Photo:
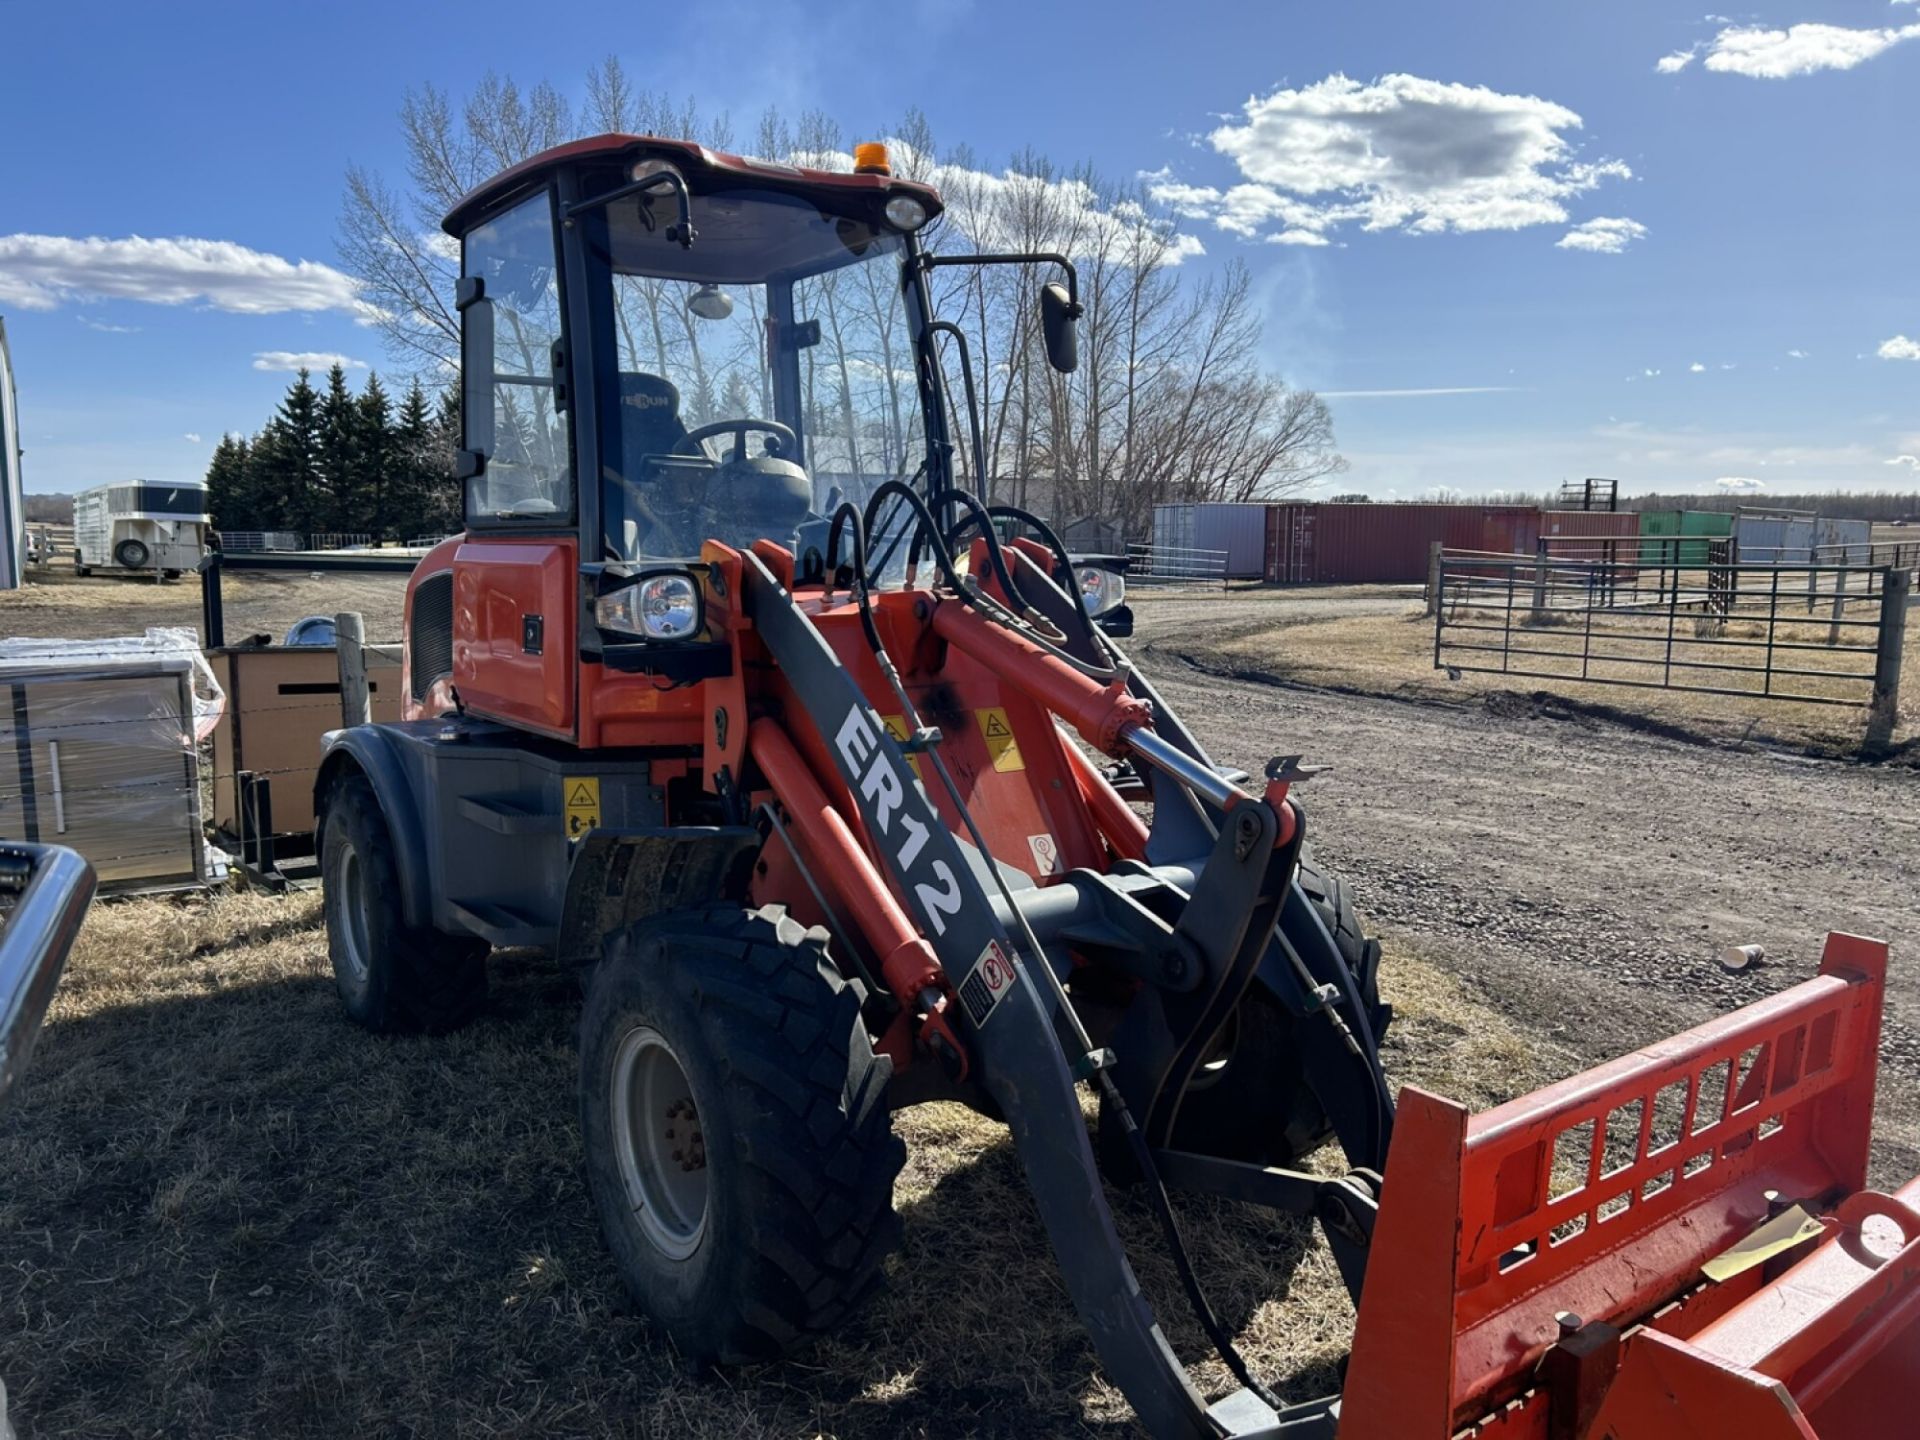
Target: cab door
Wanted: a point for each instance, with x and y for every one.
(515, 577)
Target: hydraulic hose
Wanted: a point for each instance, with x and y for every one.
(1088, 1059)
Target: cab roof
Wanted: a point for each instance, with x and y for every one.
(695, 162)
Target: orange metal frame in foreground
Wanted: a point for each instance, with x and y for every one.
(1603, 1196)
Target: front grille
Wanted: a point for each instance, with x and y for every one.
(430, 632)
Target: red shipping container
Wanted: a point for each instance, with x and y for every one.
(1385, 544)
(1604, 528)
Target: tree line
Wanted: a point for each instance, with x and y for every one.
(331, 460)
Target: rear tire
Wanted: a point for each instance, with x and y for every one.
(132, 554)
(738, 1143)
(392, 978)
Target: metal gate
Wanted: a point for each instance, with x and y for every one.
(1812, 633)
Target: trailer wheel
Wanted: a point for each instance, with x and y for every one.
(391, 977)
(132, 554)
(738, 1142)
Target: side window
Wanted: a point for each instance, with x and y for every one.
(511, 328)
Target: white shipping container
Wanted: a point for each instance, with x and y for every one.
(1238, 531)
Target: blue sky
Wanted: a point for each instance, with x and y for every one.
(1618, 239)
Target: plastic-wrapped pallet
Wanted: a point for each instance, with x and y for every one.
(99, 751)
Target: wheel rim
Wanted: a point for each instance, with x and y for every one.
(352, 890)
(658, 1143)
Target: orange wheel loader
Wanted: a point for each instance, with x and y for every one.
(825, 771)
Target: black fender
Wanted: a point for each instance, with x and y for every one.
(372, 752)
(619, 877)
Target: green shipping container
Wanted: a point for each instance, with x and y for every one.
(1706, 524)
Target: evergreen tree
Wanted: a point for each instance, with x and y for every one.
(286, 481)
(227, 497)
(368, 477)
(335, 506)
(413, 453)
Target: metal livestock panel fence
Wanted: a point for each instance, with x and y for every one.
(1718, 629)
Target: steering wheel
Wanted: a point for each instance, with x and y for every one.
(690, 442)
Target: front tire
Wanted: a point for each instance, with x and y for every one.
(132, 554)
(392, 978)
(1252, 1099)
(738, 1143)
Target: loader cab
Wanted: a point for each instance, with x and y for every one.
(663, 346)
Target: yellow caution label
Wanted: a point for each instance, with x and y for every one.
(1002, 748)
(583, 804)
(897, 728)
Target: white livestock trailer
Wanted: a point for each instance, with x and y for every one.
(144, 525)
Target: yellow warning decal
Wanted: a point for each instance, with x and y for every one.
(1002, 748)
(897, 728)
(583, 804)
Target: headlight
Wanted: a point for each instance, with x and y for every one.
(905, 212)
(1101, 588)
(655, 607)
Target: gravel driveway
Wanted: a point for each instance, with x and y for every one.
(1583, 875)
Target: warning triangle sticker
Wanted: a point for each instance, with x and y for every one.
(996, 727)
(580, 795)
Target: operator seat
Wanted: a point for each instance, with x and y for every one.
(649, 419)
(650, 424)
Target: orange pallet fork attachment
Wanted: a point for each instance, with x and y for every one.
(1571, 1226)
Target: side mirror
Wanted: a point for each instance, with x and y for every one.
(1058, 315)
(476, 378)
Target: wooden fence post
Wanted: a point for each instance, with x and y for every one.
(1895, 586)
(1540, 581)
(350, 640)
(1433, 575)
(1839, 605)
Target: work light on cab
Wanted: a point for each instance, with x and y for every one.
(655, 607)
(904, 212)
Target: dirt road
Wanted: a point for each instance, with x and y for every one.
(1580, 874)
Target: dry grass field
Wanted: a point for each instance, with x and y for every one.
(229, 1212)
(1388, 650)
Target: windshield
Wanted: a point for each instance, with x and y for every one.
(764, 373)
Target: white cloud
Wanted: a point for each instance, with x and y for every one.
(191, 438)
(1014, 210)
(1400, 153)
(1765, 54)
(1650, 374)
(315, 360)
(1677, 61)
(1740, 482)
(1796, 354)
(1604, 235)
(41, 272)
(106, 329)
(1912, 462)
(1696, 368)
(1899, 348)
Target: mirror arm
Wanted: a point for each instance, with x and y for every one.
(1022, 257)
(683, 233)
